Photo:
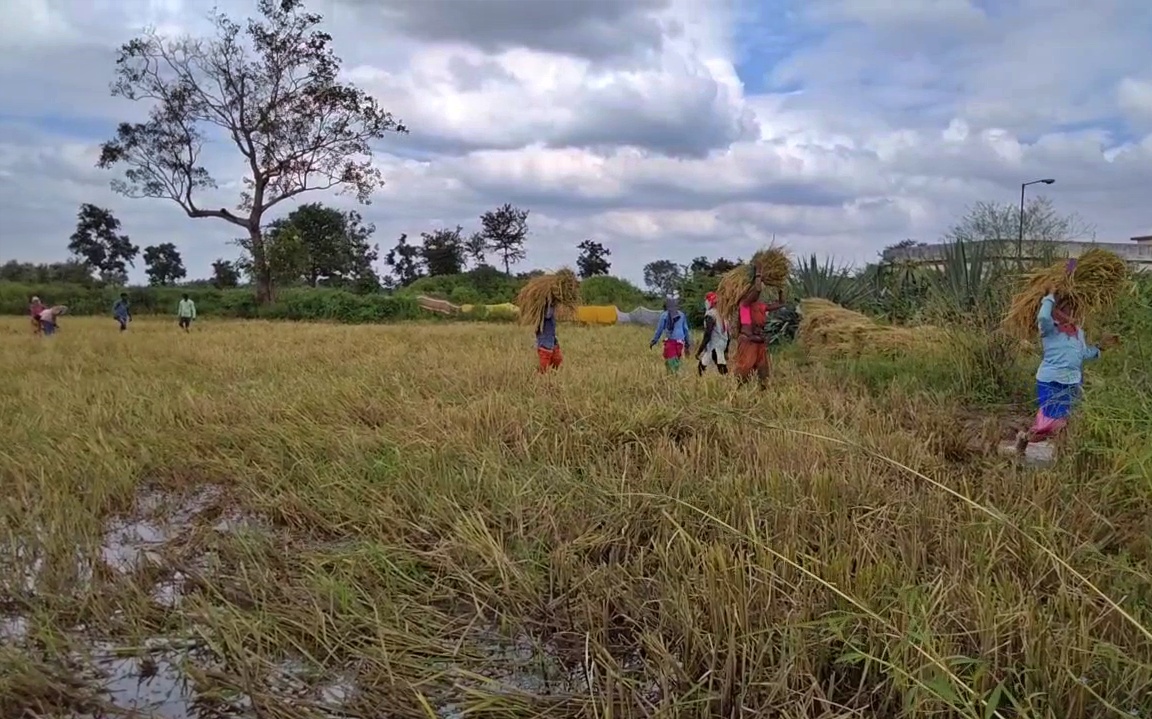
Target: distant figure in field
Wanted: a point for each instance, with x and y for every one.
(673, 325)
(186, 311)
(547, 344)
(1059, 377)
(122, 311)
(752, 345)
(35, 307)
(714, 346)
(49, 318)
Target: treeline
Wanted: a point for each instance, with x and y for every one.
(485, 286)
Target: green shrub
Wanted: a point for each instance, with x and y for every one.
(291, 304)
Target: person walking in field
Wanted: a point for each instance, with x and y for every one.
(547, 344)
(673, 325)
(35, 307)
(186, 311)
(122, 311)
(1061, 372)
(49, 319)
(714, 346)
(752, 344)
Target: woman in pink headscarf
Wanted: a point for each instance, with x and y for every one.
(1061, 372)
(714, 347)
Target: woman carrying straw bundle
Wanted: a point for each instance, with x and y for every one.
(752, 344)
(674, 324)
(541, 302)
(1060, 375)
(738, 298)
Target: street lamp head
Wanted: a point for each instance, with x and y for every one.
(1048, 181)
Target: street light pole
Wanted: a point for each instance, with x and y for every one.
(1020, 238)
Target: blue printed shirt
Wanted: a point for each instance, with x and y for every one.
(1064, 355)
(676, 328)
(546, 335)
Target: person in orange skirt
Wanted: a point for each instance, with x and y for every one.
(547, 344)
(752, 344)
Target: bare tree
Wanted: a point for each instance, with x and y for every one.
(273, 90)
(1000, 221)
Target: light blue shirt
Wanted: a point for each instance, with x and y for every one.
(1064, 355)
(677, 328)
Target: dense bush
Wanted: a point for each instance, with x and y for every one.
(291, 304)
(608, 290)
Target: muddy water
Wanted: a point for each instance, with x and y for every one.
(154, 682)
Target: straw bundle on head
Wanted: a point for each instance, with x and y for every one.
(1086, 286)
(831, 329)
(774, 267)
(562, 290)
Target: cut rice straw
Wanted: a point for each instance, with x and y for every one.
(828, 328)
(561, 289)
(1086, 286)
(774, 266)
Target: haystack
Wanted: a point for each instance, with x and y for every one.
(829, 328)
(1090, 285)
(562, 289)
(774, 266)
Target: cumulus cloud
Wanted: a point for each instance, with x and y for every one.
(663, 128)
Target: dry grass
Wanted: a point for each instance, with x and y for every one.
(442, 531)
(828, 328)
(1092, 288)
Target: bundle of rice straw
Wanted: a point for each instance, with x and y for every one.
(834, 330)
(1089, 285)
(562, 289)
(774, 266)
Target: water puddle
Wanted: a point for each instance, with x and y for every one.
(154, 685)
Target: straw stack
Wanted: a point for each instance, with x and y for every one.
(562, 289)
(1087, 286)
(774, 266)
(831, 329)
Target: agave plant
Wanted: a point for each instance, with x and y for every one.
(971, 283)
(830, 281)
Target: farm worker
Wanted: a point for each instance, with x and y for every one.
(547, 344)
(186, 311)
(122, 312)
(34, 309)
(1060, 375)
(674, 324)
(48, 319)
(714, 346)
(751, 344)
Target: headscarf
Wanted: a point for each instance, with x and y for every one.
(1064, 322)
(710, 300)
(35, 300)
(672, 307)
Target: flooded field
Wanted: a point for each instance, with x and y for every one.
(291, 520)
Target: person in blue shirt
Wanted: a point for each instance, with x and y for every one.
(122, 312)
(1059, 378)
(674, 324)
(547, 344)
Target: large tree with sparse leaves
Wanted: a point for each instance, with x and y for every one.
(272, 90)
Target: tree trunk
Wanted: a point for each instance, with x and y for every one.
(265, 292)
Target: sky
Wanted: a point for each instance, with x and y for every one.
(663, 129)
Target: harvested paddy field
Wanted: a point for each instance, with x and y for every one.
(293, 520)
